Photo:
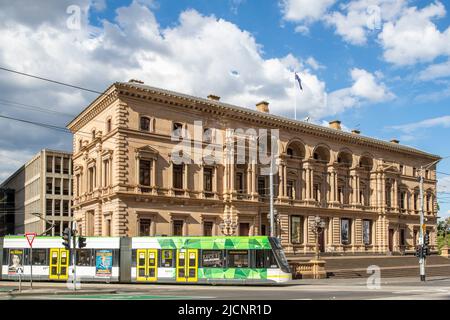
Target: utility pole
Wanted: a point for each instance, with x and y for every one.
(421, 233)
(74, 255)
(272, 215)
(423, 247)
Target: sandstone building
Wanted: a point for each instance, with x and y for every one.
(126, 183)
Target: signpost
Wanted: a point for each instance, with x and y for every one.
(30, 238)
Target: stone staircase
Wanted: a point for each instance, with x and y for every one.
(390, 266)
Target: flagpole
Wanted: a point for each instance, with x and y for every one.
(295, 101)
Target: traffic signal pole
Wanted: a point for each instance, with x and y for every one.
(74, 256)
(421, 233)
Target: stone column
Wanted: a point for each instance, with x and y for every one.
(308, 183)
(281, 181)
(201, 181)
(285, 178)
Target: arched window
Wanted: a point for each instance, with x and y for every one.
(80, 144)
(145, 124)
(93, 134)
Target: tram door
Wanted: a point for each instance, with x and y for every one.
(147, 264)
(59, 264)
(187, 265)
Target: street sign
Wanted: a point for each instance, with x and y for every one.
(30, 237)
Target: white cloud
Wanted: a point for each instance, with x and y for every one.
(189, 57)
(365, 89)
(414, 37)
(443, 121)
(314, 64)
(435, 71)
(305, 10)
(357, 19)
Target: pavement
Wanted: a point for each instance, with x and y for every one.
(435, 288)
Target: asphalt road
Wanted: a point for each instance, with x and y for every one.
(392, 289)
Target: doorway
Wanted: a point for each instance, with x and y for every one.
(244, 229)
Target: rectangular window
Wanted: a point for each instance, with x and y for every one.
(91, 176)
(58, 165)
(77, 179)
(240, 182)
(106, 171)
(49, 186)
(367, 237)
(345, 231)
(57, 228)
(40, 257)
(402, 169)
(341, 195)
(415, 200)
(84, 257)
(57, 186)
(316, 192)
(402, 200)
(65, 208)
(237, 258)
(296, 229)
(262, 186)
(178, 227)
(207, 228)
(49, 206)
(207, 179)
(144, 227)
(145, 124)
(178, 176)
(144, 172)
(167, 258)
(265, 259)
(49, 164)
(65, 187)
(212, 259)
(402, 237)
(57, 207)
(66, 162)
(290, 189)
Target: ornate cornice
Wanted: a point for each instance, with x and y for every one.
(228, 112)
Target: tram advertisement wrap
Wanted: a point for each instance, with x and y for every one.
(103, 263)
(15, 261)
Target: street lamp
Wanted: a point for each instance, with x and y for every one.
(317, 227)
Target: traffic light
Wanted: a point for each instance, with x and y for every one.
(81, 242)
(66, 237)
(426, 239)
(426, 251)
(418, 251)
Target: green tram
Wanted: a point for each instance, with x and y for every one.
(187, 260)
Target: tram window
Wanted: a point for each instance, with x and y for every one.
(5, 257)
(237, 258)
(265, 259)
(166, 258)
(40, 257)
(212, 259)
(133, 258)
(84, 258)
(116, 257)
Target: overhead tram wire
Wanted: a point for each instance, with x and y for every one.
(50, 80)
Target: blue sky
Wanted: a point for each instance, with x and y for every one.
(381, 66)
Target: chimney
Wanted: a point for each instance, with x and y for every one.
(262, 106)
(335, 124)
(355, 131)
(213, 97)
(395, 141)
(136, 81)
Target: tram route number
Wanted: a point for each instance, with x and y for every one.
(226, 310)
